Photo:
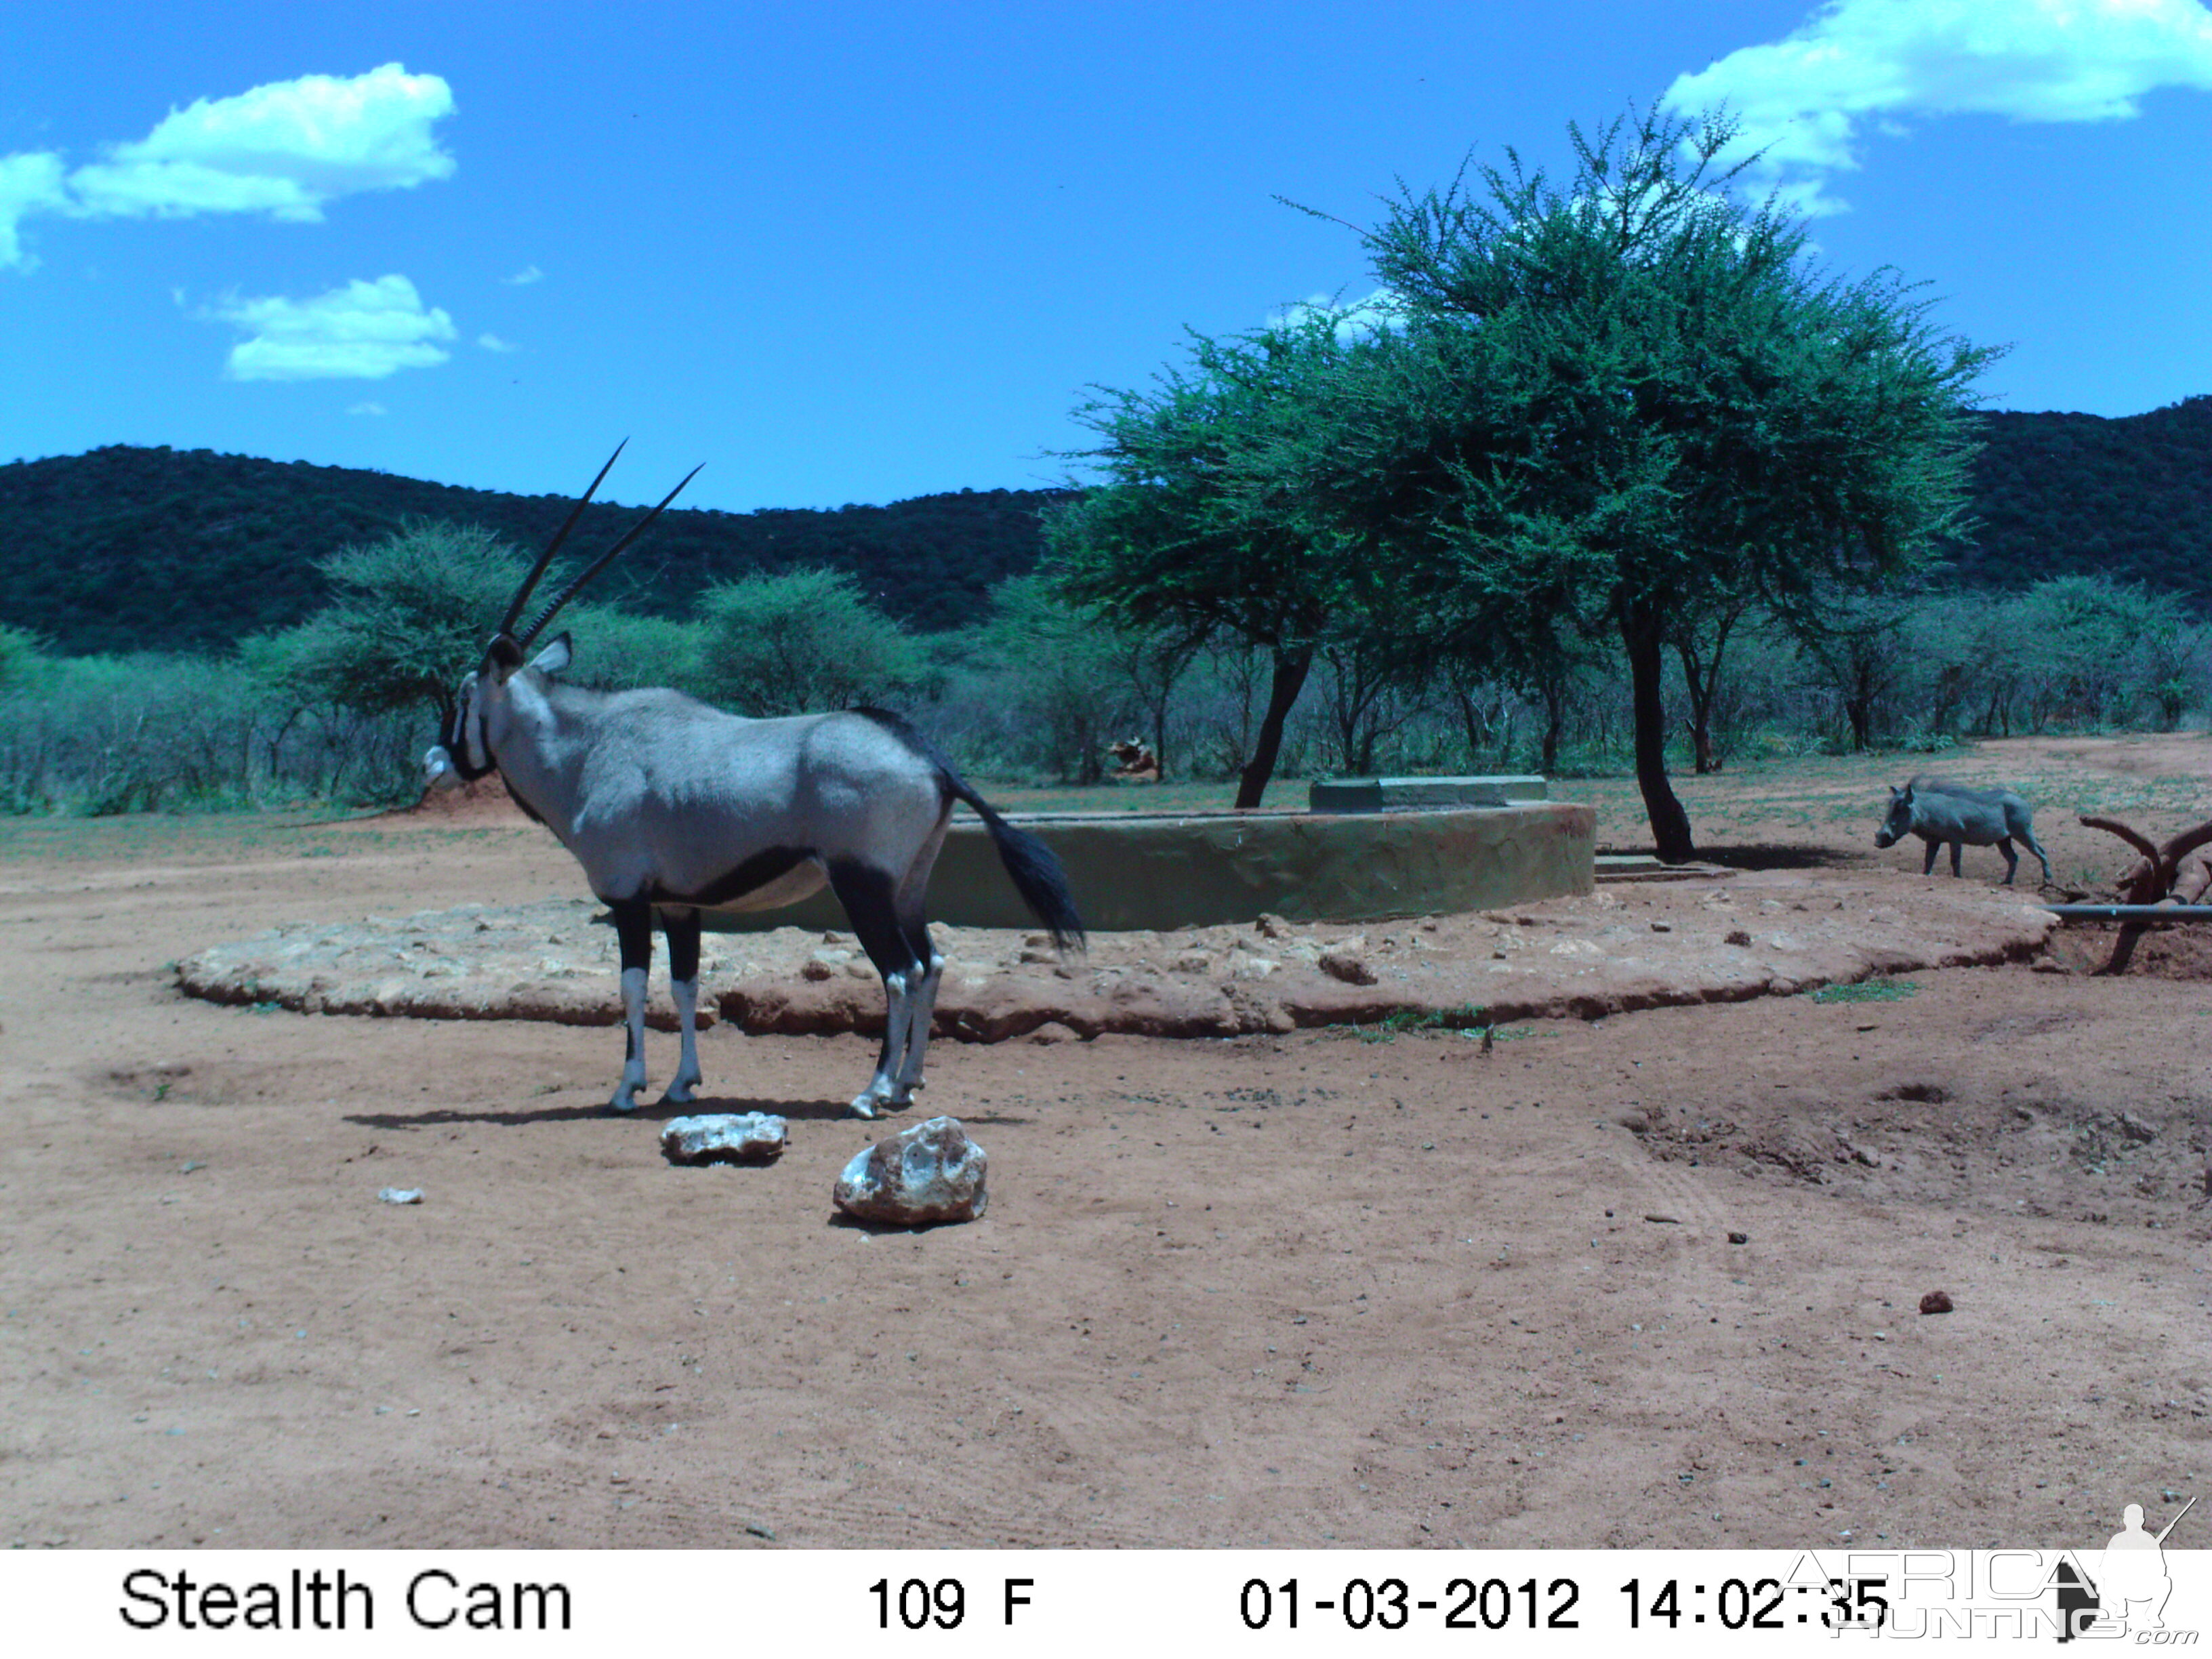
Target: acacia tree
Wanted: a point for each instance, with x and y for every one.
(1641, 402)
(408, 616)
(800, 642)
(1207, 525)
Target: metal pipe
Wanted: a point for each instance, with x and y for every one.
(2131, 912)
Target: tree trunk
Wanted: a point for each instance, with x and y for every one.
(1476, 723)
(1555, 724)
(1860, 698)
(1858, 709)
(1289, 679)
(1703, 679)
(1670, 824)
(1701, 741)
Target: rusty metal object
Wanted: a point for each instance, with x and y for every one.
(2154, 877)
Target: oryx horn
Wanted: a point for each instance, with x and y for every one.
(522, 593)
(599, 563)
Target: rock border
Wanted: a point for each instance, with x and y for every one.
(1626, 947)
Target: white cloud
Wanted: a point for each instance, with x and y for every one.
(1808, 99)
(527, 275)
(363, 331)
(1378, 310)
(493, 343)
(367, 408)
(284, 149)
(29, 183)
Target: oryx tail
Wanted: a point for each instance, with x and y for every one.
(1032, 866)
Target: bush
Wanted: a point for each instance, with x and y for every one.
(105, 735)
(798, 643)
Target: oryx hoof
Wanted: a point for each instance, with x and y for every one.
(873, 1101)
(681, 1093)
(622, 1104)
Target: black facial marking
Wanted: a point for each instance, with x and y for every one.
(451, 741)
(755, 873)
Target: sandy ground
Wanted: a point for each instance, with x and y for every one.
(1330, 1285)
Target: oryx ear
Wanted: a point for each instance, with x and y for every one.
(554, 658)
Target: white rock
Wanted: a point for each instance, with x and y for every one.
(401, 1195)
(931, 1172)
(725, 1137)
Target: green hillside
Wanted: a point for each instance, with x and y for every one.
(2064, 495)
(126, 549)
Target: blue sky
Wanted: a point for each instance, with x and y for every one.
(864, 253)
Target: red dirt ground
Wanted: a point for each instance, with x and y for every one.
(1293, 1289)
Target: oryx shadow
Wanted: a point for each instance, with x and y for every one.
(836, 1111)
(807, 1111)
(586, 1111)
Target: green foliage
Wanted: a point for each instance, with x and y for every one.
(1199, 524)
(1467, 1019)
(794, 644)
(620, 650)
(1868, 990)
(1207, 526)
(99, 736)
(127, 549)
(1057, 679)
(1634, 401)
(2061, 494)
(410, 616)
(20, 657)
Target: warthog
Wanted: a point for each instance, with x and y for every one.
(1938, 811)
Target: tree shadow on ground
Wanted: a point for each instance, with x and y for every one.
(1780, 855)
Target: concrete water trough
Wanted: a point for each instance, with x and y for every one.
(1378, 859)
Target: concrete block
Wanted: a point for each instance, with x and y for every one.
(1416, 794)
(1134, 870)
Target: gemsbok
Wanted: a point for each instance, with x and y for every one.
(672, 806)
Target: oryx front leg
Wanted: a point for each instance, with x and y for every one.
(682, 928)
(633, 931)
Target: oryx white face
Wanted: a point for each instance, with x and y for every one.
(461, 753)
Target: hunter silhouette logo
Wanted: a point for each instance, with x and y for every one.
(2131, 1585)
